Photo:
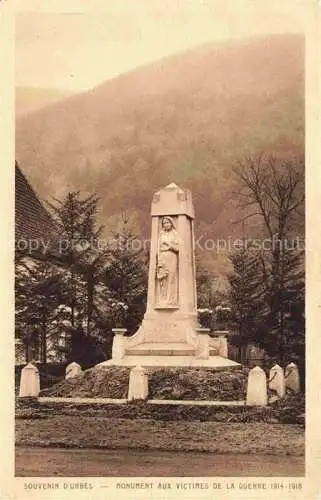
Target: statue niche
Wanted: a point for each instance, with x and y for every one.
(167, 263)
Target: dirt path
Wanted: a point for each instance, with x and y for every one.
(78, 431)
(44, 462)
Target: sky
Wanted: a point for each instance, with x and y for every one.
(76, 45)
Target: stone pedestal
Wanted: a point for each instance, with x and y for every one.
(223, 347)
(276, 380)
(118, 349)
(170, 334)
(218, 343)
(203, 348)
(138, 384)
(256, 394)
(29, 382)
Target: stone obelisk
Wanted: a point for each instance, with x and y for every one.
(171, 314)
(170, 334)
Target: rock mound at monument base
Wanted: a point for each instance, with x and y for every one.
(198, 384)
(164, 383)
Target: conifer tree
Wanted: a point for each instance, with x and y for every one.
(84, 259)
(247, 296)
(38, 296)
(287, 332)
(272, 190)
(126, 276)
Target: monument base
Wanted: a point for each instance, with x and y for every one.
(170, 361)
(174, 340)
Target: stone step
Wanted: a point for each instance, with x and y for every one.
(109, 401)
(154, 361)
(161, 349)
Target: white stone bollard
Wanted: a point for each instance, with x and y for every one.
(29, 381)
(118, 349)
(73, 370)
(276, 380)
(256, 394)
(138, 384)
(292, 377)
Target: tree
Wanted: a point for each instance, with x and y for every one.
(84, 259)
(204, 287)
(77, 302)
(212, 293)
(75, 217)
(38, 295)
(126, 276)
(291, 331)
(246, 296)
(273, 190)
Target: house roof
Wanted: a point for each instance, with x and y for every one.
(34, 226)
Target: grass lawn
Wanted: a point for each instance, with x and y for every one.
(73, 462)
(82, 431)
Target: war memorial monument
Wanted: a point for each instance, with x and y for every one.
(170, 335)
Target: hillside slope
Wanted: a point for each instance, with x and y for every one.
(29, 99)
(186, 118)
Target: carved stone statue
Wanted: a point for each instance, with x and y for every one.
(167, 263)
